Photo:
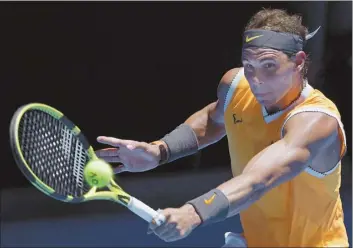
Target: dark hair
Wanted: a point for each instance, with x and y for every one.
(280, 21)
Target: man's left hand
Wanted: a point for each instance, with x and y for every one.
(180, 222)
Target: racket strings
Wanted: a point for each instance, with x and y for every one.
(54, 153)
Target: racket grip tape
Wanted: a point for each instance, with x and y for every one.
(145, 212)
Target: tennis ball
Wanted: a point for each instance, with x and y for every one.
(98, 173)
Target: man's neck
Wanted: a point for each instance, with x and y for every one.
(293, 94)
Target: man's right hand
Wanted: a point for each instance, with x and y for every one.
(133, 155)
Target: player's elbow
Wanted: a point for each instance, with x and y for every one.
(258, 189)
(295, 163)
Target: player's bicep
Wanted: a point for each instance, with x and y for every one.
(276, 164)
(216, 113)
(217, 110)
(308, 136)
(319, 133)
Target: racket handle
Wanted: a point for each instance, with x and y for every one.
(145, 212)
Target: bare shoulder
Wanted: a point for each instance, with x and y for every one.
(318, 134)
(217, 111)
(314, 126)
(226, 82)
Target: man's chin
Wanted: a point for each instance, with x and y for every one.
(266, 102)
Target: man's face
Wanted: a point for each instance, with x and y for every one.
(269, 73)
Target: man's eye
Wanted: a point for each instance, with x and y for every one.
(249, 67)
(269, 65)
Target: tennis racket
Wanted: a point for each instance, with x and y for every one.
(51, 151)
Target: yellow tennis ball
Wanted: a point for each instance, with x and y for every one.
(98, 173)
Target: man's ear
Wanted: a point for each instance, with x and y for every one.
(300, 58)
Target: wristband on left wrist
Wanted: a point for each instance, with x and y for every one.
(212, 207)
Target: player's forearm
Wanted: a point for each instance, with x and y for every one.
(241, 192)
(206, 129)
(274, 165)
(227, 199)
(197, 132)
(264, 172)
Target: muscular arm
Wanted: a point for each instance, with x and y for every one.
(306, 135)
(208, 123)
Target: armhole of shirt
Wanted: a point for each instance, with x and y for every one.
(233, 86)
(309, 169)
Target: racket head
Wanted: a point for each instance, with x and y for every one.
(51, 152)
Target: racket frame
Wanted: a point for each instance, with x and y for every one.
(116, 193)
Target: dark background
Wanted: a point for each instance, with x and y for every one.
(137, 70)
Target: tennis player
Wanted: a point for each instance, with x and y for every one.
(286, 141)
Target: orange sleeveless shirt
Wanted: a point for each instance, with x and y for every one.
(304, 212)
